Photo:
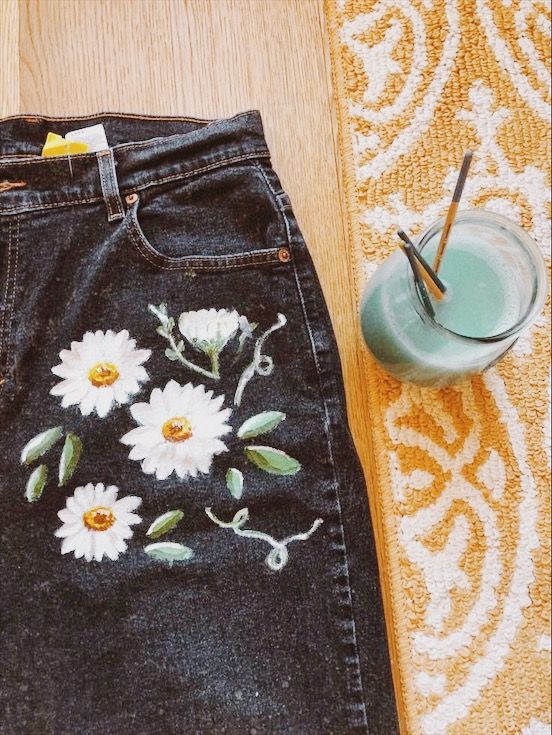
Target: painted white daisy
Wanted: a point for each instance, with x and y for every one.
(180, 430)
(209, 330)
(95, 523)
(105, 368)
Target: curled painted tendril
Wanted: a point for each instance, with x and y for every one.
(261, 364)
(278, 555)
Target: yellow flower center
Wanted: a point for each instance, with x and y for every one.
(177, 429)
(103, 373)
(98, 518)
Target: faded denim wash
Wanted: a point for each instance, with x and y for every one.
(216, 630)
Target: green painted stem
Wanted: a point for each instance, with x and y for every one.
(191, 365)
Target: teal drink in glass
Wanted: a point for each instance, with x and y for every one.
(496, 286)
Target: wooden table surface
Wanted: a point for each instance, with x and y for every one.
(206, 58)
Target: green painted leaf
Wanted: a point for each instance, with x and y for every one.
(272, 460)
(261, 423)
(36, 483)
(40, 444)
(164, 523)
(69, 459)
(234, 482)
(171, 354)
(168, 551)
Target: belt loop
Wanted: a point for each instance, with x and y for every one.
(110, 186)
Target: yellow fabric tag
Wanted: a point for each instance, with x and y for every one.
(56, 145)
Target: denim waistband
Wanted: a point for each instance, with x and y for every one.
(145, 150)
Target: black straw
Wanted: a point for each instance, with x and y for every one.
(422, 261)
(408, 251)
(462, 176)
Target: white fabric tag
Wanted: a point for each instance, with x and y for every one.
(94, 136)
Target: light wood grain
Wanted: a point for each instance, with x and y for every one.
(207, 58)
(9, 56)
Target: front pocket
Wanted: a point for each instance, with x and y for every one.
(270, 256)
(226, 219)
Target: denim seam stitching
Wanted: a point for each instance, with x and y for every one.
(267, 257)
(6, 293)
(110, 188)
(337, 488)
(103, 184)
(13, 296)
(329, 443)
(25, 208)
(187, 174)
(263, 152)
(9, 299)
(145, 143)
(126, 115)
(117, 210)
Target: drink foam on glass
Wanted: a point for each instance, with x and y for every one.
(496, 287)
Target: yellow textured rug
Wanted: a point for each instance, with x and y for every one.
(463, 489)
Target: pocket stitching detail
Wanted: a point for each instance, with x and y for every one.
(263, 257)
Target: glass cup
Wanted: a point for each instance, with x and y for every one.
(496, 287)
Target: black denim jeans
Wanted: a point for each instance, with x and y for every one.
(186, 544)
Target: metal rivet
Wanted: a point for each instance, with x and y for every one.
(284, 256)
(131, 198)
